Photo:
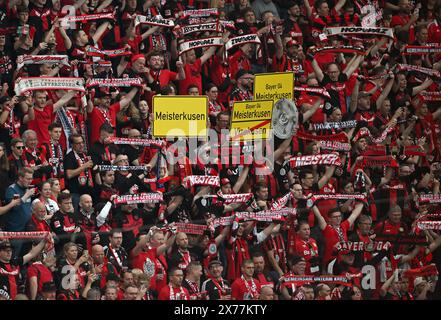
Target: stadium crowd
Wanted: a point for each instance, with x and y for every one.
(91, 207)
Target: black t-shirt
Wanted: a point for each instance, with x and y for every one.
(125, 183)
(71, 163)
(99, 153)
(132, 153)
(336, 89)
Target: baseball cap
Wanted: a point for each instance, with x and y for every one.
(242, 72)
(214, 262)
(5, 244)
(225, 181)
(136, 57)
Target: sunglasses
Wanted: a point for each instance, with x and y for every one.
(19, 147)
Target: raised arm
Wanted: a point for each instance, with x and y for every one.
(354, 96)
(317, 70)
(308, 8)
(242, 178)
(427, 83)
(321, 221)
(104, 5)
(168, 243)
(207, 54)
(355, 213)
(35, 251)
(100, 31)
(353, 66)
(385, 92)
(124, 102)
(339, 5)
(327, 176)
(65, 99)
(308, 114)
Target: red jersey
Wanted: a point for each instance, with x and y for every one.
(153, 265)
(164, 76)
(171, 293)
(41, 272)
(242, 289)
(192, 76)
(307, 249)
(434, 32)
(43, 118)
(99, 116)
(333, 236)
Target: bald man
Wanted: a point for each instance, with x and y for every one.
(101, 266)
(92, 222)
(266, 293)
(133, 151)
(180, 256)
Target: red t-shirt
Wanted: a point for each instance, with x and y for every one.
(192, 76)
(332, 237)
(306, 249)
(182, 293)
(98, 116)
(43, 274)
(242, 291)
(151, 264)
(434, 30)
(164, 76)
(43, 118)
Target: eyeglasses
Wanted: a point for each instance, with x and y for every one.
(19, 147)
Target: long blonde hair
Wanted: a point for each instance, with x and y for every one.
(131, 110)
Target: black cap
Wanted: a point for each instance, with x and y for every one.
(48, 287)
(242, 72)
(213, 262)
(5, 244)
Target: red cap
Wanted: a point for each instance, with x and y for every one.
(225, 181)
(136, 57)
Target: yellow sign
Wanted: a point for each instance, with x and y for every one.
(274, 86)
(251, 120)
(180, 116)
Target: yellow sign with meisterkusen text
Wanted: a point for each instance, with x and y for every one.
(180, 116)
(251, 120)
(274, 86)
